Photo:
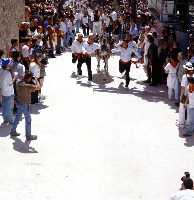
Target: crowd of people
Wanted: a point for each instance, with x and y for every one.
(92, 29)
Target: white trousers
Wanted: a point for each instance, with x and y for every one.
(96, 28)
(145, 63)
(182, 116)
(174, 89)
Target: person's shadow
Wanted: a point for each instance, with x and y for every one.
(36, 108)
(189, 141)
(23, 147)
(4, 131)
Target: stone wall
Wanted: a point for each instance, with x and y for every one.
(11, 13)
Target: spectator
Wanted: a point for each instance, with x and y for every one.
(24, 89)
(7, 91)
(171, 69)
(187, 193)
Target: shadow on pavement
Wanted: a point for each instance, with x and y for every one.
(149, 93)
(23, 147)
(35, 108)
(189, 142)
(4, 131)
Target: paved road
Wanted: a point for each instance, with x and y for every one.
(98, 142)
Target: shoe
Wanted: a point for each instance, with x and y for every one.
(89, 82)
(152, 84)
(98, 71)
(79, 77)
(42, 98)
(176, 104)
(14, 134)
(31, 137)
(123, 76)
(147, 81)
(5, 124)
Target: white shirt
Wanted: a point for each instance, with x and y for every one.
(19, 70)
(125, 54)
(25, 51)
(184, 82)
(146, 46)
(191, 99)
(183, 195)
(85, 20)
(172, 76)
(77, 16)
(170, 69)
(77, 47)
(91, 49)
(6, 83)
(106, 20)
(35, 69)
(92, 16)
(114, 15)
(133, 45)
(63, 27)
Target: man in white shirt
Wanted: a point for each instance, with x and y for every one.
(190, 127)
(189, 71)
(187, 193)
(89, 49)
(7, 90)
(125, 59)
(77, 49)
(77, 46)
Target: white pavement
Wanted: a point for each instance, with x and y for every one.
(96, 143)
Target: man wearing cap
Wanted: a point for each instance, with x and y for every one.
(190, 100)
(7, 91)
(187, 193)
(189, 71)
(24, 89)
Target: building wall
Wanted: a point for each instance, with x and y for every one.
(11, 13)
(157, 4)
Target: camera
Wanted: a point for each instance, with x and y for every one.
(187, 175)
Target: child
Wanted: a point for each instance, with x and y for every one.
(171, 69)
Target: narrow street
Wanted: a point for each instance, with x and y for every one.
(97, 142)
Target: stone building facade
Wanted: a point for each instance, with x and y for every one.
(11, 14)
